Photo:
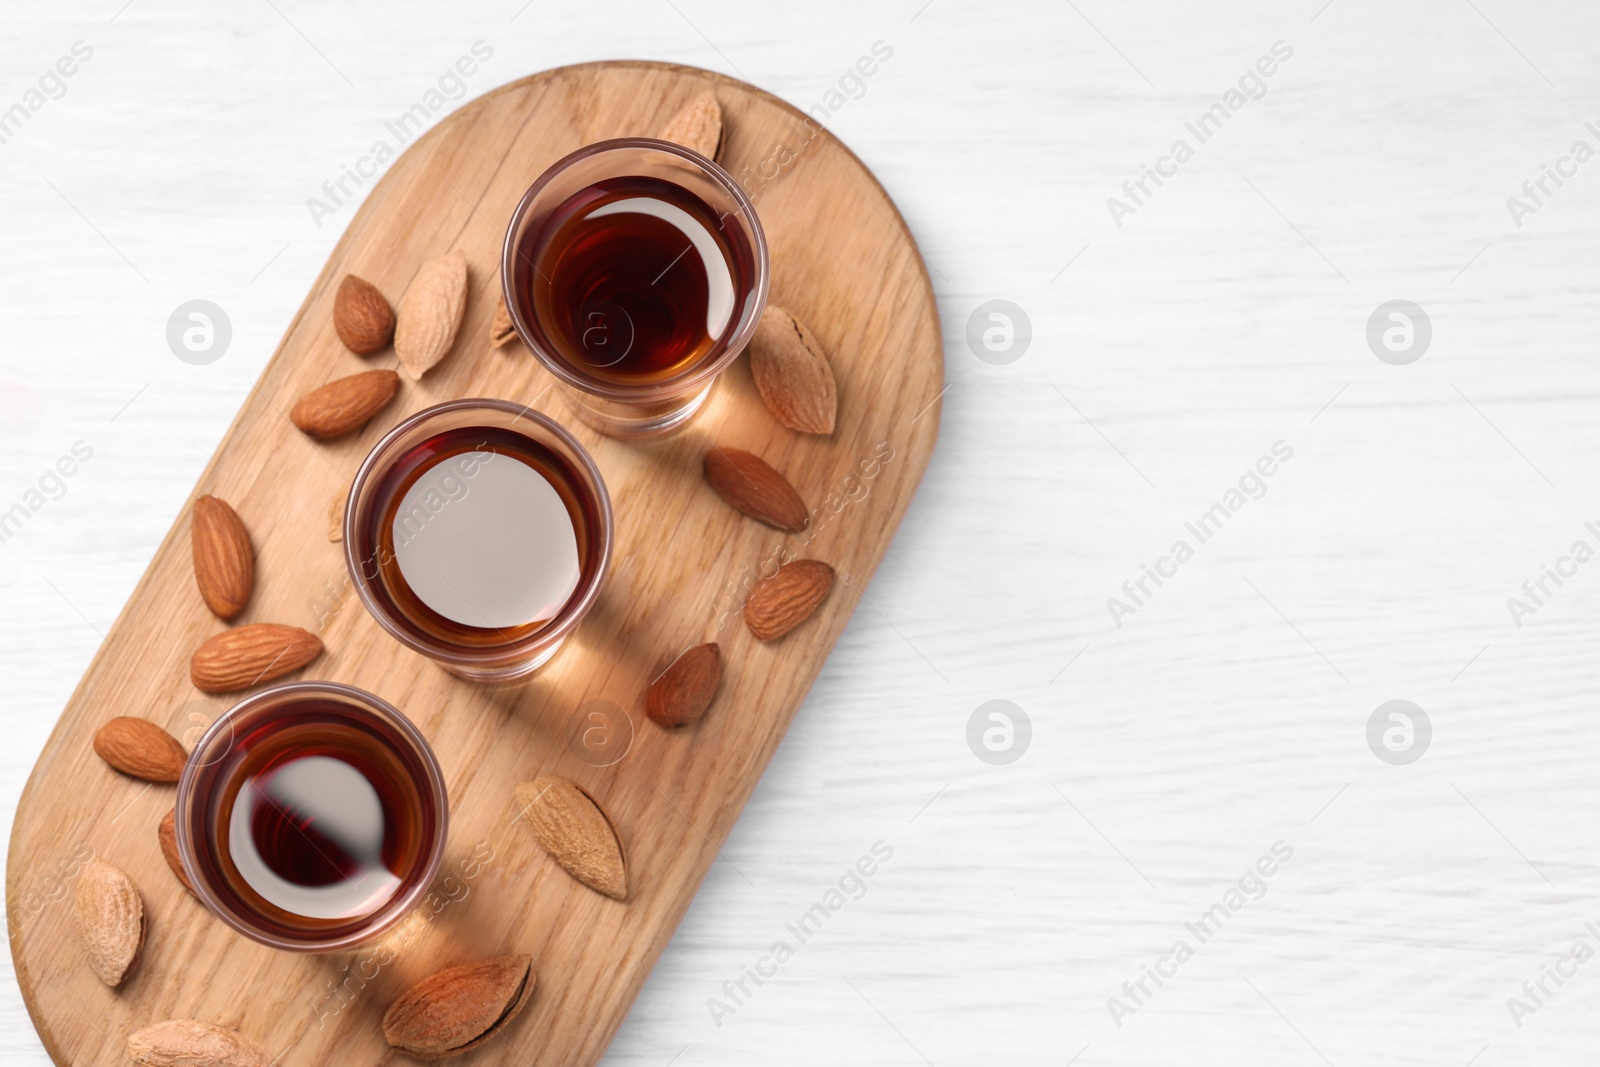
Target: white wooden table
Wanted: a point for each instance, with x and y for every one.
(1227, 313)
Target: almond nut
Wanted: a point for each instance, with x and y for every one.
(362, 318)
(140, 748)
(167, 834)
(224, 562)
(187, 1043)
(110, 919)
(698, 126)
(792, 374)
(345, 404)
(753, 486)
(431, 313)
(572, 828)
(787, 598)
(681, 694)
(501, 330)
(249, 655)
(458, 1009)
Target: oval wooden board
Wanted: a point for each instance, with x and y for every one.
(842, 260)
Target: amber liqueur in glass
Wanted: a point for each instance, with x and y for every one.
(635, 279)
(479, 537)
(318, 818)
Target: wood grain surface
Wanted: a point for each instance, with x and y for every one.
(681, 555)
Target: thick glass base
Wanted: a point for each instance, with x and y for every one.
(637, 421)
(515, 672)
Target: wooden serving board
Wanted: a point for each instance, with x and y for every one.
(843, 261)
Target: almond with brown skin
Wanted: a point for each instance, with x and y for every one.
(110, 919)
(572, 828)
(681, 694)
(167, 834)
(224, 562)
(250, 655)
(362, 318)
(458, 1009)
(140, 748)
(344, 404)
(430, 313)
(501, 331)
(792, 373)
(753, 486)
(698, 126)
(787, 598)
(188, 1043)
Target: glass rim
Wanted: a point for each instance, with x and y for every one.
(690, 378)
(571, 613)
(395, 910)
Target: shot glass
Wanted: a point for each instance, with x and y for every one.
(478, 532)
(311, 817)
(635, 270)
